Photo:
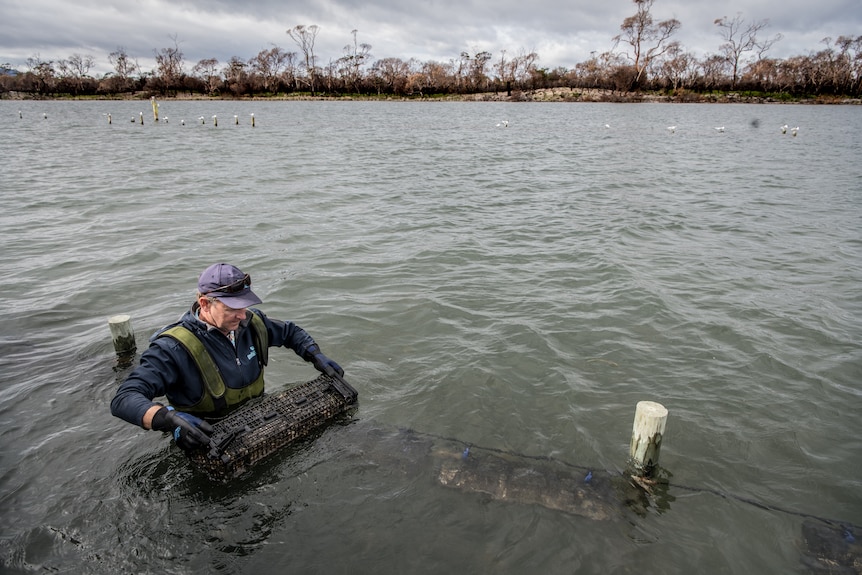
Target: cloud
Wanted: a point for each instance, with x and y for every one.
(562, 34)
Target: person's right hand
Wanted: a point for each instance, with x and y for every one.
(189, 432)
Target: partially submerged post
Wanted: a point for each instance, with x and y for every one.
(122, 334)
(647, 433)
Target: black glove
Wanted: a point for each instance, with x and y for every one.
(189, 431)
(322, 363)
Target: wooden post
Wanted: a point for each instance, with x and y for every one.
(122, 334)
(647, 433)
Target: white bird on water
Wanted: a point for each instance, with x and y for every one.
(202, 119)
(504, 123)
(784, 129)
(719, 128)
(794, 130)
(671, 129)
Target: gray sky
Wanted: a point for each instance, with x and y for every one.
(561, 33)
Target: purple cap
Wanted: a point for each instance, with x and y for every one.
(229, 284)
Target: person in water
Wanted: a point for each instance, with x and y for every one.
(211, 361)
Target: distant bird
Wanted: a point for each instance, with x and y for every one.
(719, 128)
(794, 130)
(607, 126)
(236, 119)
(215, 120)
(142, 118)
(45, 115)
(202, 119)
(504, 123)
(20, 115)
(671, 129)
(182, 122)
(166, 119)
(784, 129)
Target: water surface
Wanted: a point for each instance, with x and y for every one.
(515, 288)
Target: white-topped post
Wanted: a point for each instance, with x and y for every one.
(647, 433)
(122, 334)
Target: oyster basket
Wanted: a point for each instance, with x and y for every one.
(256, 431)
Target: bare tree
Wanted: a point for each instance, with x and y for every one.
(523, 67)
(649, 40)
(712, 71)
(43, 75)
(121, 79)
(675, 68)
(169, 67)
(269, 64)
(76, 69)
(763, 74)
(478, 69)
(851, 52)
(304, 36)
(236, 76)
(439, 77)
(207, 71)
(463, 71)
(502, 70)
(392, 74)
(355, 56)
(123, 65)
(741, 37)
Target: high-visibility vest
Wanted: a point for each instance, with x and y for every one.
(218, 399)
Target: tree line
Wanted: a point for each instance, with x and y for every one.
(644, 57)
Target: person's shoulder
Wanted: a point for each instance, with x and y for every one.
(258, 313)
(187, 320)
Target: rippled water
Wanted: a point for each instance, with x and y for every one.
(514, 288)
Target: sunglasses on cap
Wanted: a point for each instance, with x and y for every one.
(236, 287)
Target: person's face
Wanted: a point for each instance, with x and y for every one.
(225, 318)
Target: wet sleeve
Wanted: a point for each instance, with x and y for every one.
(145, 383)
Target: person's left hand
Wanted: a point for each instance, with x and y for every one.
(322, 363)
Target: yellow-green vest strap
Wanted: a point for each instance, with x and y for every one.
(260, 336)
(212, 379)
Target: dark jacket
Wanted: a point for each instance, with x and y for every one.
(167, 369)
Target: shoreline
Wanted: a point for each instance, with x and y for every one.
(564, 95)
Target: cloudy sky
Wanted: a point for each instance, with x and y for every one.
(562, 32)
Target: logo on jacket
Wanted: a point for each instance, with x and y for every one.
(252, 353)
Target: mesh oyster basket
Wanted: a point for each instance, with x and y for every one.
(258, 430)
